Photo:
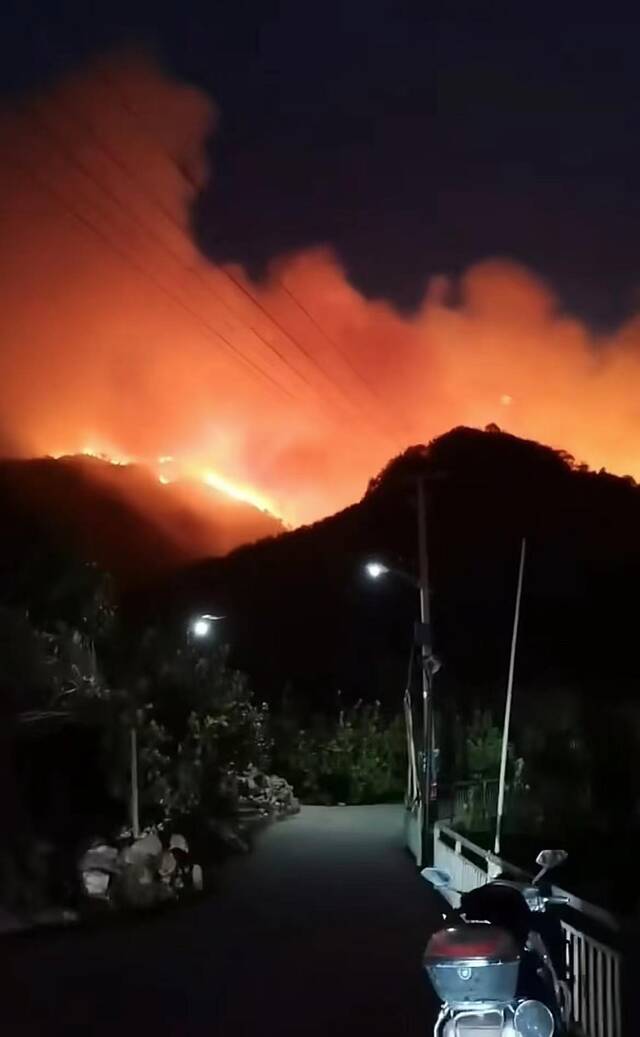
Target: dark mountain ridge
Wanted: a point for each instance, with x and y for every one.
(119, 516)
(300, 611)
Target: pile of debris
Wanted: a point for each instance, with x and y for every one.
(155, 867)
(267, 795)
(140, 872)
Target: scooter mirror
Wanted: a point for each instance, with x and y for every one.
(438, 878)
(548, 859)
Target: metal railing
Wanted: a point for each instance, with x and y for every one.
(594, 968)
(594, 971)
(474, 801)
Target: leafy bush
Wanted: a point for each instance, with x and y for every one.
(195, 773)
(192, 748)
(358, 758)
(483, 746)
(78, 679)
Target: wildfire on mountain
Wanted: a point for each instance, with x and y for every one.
(120, 338)
(169, 469)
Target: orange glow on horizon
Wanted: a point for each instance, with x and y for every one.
(121, 341)
(183, 470)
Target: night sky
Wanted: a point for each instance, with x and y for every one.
(414, 143)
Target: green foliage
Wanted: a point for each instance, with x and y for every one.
(475, 799)
(189, 766)
(560, 776)
(483, 746)
(196, 720)
(359, 758)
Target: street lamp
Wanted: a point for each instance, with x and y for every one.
(375, 570)
(201, 625)
(429, 666)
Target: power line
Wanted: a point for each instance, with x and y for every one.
(140, 268)
(332, 342)
(282, 329)
(115, 199)
(225, 273)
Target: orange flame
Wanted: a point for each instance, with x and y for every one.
(186, 470)
(122, 341)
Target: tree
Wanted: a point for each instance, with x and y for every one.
(483, 746)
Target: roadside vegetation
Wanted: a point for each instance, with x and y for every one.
(132, 759)
(355, 756)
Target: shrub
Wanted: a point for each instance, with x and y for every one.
(189, 759)
(358, 758)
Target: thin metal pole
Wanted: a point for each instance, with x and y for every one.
(426, 652)
(412, 774)
(507, 709)
(135, 812)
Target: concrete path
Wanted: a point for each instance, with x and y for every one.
(318, 932)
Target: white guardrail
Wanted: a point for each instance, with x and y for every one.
(593, 968)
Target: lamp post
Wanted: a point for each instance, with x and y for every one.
(134, 805)
(198, 627)
(376, 569)
(427, 668)
(201, 626)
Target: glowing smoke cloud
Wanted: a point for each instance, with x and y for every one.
(119, 337)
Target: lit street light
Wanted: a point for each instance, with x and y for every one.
(421, 805)
(375, 569)
(198, 627)
(201, 625)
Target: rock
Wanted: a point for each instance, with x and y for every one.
(182, 859)
(266, 794)
(168, 864)
(228, 835)
(178, 842)
(197, 879)
(144, 850)
(287, 809)
(101, 858)
(96, 883)
(10, 923)
(55, 916)
(136, 886)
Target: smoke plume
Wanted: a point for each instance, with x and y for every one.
(119, 337)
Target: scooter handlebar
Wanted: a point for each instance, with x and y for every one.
(557, 901)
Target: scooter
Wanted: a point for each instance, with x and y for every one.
(498, 965)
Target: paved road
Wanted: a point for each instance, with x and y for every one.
(318, 932)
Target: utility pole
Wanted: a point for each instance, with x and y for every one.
(426, 660)
(134, 798)
(507, 709)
